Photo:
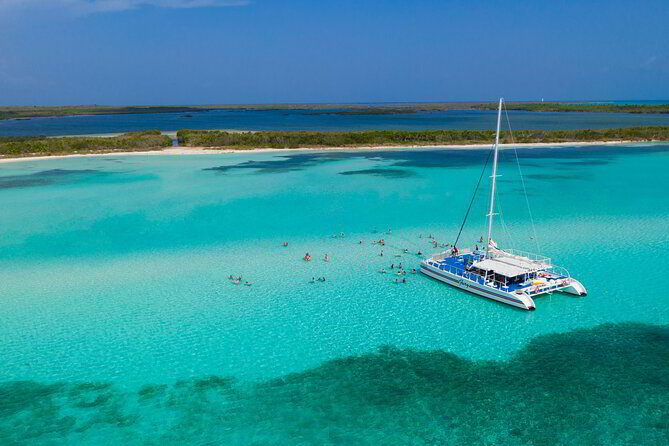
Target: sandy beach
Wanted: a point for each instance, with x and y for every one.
(179, 151)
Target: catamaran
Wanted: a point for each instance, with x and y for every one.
(506, 275)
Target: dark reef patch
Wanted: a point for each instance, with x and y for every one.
(285, 163)
(386, 173)
(606, 385)
(559, 177)
(68, 176)
(445, 158)
(45, 177)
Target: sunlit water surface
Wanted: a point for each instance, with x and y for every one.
(119, 323)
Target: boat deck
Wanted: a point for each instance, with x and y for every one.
(457, 265)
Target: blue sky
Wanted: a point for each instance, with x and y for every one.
(268, 51)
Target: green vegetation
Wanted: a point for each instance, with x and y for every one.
(80, 110)
(153, 140)
(290, 140)
(564, 107)
(35, 146)
(356, 109)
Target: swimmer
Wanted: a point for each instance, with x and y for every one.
(382, 271)
(413, 271)
(307, 257)
(419, 253)
(381, 253)
(405, 251)
(360, 242)
(284, 244)
(231, 277)
(313, 280)
(341, 234)
(247, 283)
(326, 258)
(392, 266)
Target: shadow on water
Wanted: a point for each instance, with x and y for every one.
(606, 385)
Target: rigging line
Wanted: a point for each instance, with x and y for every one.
(522, 180)
(505, 227)
(473, 197)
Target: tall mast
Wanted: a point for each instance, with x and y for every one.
(491, 211)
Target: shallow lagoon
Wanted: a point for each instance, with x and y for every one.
(117, 314)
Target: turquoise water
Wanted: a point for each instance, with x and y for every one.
(307, 120)
(119, 323)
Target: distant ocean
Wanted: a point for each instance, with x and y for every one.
(320, 120)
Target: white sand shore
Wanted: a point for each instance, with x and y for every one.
(179, 151)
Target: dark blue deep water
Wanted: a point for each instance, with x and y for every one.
(309, 120)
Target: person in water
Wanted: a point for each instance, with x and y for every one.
(284, 244)
(307, 257)
(381, 253)
(326, 258)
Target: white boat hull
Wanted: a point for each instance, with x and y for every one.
(519, 301)
(575, 287)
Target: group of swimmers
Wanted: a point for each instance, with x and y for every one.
(307, 258)
(237, 280)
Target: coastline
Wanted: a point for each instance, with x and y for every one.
(179, 151)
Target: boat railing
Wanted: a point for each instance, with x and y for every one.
(462, 272)
(521, 255)
(560, 271)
